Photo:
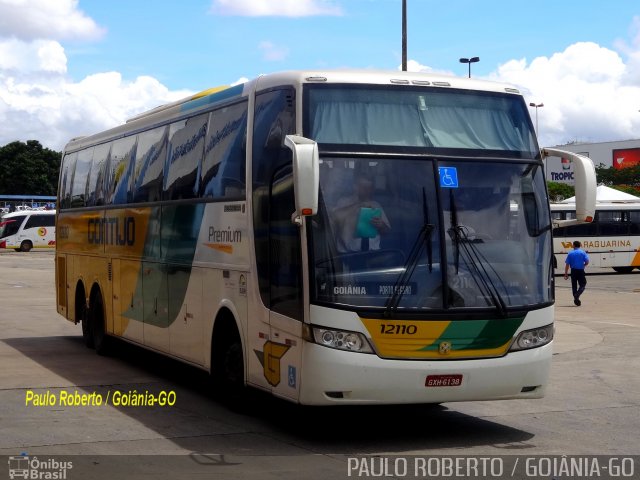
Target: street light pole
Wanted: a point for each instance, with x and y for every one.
(536, 105)
(404, 35)
(469, 61)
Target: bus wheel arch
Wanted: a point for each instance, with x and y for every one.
(26, 246)
(97, 321)
(82, 314)
(227, 355)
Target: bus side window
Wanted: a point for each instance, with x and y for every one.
(36, 220)
(68, 166)
(223, 166)
(95, 190)
(186, 147)
(120, 166)
(274, 118)
(151, 154)
(80, 177)
(610, 223)
(634, 222)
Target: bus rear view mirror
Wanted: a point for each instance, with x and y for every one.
(585, 185)
(306, 172)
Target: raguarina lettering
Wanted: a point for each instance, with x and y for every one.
(112, 231)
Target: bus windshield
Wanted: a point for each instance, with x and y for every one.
(380, 241)
(10, 226)
(431, 118)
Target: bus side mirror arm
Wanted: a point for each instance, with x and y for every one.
(585, 185)
(306, 176)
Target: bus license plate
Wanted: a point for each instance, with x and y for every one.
(443, 380)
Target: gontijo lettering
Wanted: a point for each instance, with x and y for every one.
(112, 231)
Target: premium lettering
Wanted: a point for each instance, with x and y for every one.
(227, 236)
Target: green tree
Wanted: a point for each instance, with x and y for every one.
(28, 169)
(559, 191)
(629, 176)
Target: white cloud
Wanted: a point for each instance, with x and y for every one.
(39, 19)
(588, 91)
(38, 55)
(280, 8)
(415, 66)
(38, 101)
(272, 52)
(240, 81)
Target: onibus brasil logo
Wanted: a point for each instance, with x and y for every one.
(23, 466)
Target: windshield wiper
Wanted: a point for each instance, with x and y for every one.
(423, 239)
(476, 262)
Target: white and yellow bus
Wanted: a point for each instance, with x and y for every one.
(611, 240)
(329, 237)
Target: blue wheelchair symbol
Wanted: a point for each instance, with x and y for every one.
(292, 376)
(448, 177)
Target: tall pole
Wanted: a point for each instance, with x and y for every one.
(536, 106)
(404, 35)
(469, 61)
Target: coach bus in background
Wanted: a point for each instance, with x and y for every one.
(611, 240)
(329, 237)
(28, 229)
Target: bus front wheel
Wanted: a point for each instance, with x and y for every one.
(623, 269)
(227, 362)
(26, 246)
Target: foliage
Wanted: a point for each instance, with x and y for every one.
(28, 169)
(629, 176)
(559, 191)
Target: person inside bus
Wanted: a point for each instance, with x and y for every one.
(360, 220)
(577, 259)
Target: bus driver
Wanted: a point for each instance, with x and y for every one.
(360, 220)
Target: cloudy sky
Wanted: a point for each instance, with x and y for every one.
(75, 67)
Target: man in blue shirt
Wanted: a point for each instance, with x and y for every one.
(577, 260)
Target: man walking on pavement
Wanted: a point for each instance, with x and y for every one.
(577, 260)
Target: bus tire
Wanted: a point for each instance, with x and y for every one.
(623, 269)
(97, 325)
(82, 315)
(26, 246)
(227, 362)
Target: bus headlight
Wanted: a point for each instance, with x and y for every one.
(341, 339)
(533, 338)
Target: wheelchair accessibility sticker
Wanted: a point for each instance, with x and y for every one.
(448, 177)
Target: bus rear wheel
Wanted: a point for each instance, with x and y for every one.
(26, 246)
(87, 334)
(97, 325)
(623, 269)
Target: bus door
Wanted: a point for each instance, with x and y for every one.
(286, 292)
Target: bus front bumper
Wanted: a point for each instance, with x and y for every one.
(334, 377)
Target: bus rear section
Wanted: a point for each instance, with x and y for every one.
(26, 230)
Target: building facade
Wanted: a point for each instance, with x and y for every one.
(618, 154)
